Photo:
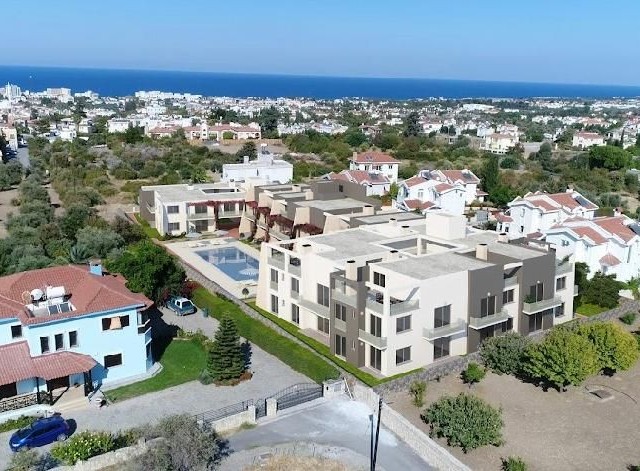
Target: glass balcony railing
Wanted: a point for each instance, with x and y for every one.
(482, 322)
(378, 342)
(448, 330)
(340, 325)
(543, 305)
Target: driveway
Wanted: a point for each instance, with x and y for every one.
(339, 424)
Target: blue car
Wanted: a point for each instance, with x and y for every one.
(40, 432)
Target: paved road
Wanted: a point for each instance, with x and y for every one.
(338, 423)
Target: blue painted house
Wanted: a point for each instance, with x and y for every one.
(70, 325)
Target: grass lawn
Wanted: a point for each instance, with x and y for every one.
(590, 309)
(151, 232)
(296, 356)
(182, 361)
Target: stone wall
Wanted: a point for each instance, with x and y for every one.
(113, 458)
(430, 451)
(235, 421)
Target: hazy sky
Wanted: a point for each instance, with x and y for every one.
(571, 41)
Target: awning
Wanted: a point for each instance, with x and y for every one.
(17, 364)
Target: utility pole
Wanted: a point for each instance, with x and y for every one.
(375, 446)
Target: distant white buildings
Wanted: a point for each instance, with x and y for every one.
(266, 167)
(324, 127)
(118, 125)
(11, 92)
(375, 162)
(584, 140)
(10, 135)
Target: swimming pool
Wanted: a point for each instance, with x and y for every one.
(233, 262)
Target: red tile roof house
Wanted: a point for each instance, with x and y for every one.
(65, 326)
(372, 161)
(376, 183)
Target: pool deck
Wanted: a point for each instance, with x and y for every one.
(186, 251)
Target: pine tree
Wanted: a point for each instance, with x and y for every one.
(226, 359)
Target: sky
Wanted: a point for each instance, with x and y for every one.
(560, 41)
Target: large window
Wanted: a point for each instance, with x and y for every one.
(375, 358)
(58, 340)
(535, 321)
(323, 295)
(295, 285)
(442, 316)
(274, 304)
(73, 338)
(488, 306)
(173, 209)
(323, 325)
(403, 355)
(536, 292)
(173, 226)
(115, 323)
(200, 209)
(295, 314)
(16, 331)
(201, 225)
(341, 346)
(379, 279)
(341, 311)
(441, 348)
(112, 360)
(375, 323)
(559, 311)
(274, 276)
(561, 283)
(507, 296)
(44, 345)
(403, 324)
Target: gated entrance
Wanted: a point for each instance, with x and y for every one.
(261, 408)
(297, 394)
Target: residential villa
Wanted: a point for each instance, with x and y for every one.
(205, 132)
(69, 325)
(372, 162)
(498, 143)
(584, 140)
(266, 166)
(395, 296)
(376, 183)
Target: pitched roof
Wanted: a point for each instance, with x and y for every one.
(417, 204)
(609, 260)
(88, 293)
(415, 180)
(359, 176)
(615, 225)
(586, 231)
(444, 187)
(465, 176)
(373, 157)
(501, 217)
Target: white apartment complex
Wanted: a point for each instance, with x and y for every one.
(267, 167)
(584, 140)
(498, 143)
(389, 298)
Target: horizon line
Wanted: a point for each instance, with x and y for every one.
(297, 75)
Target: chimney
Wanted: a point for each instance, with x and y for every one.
(368, 210)
(392, 255)
(482, 251)
(246, 159)
(503, 238)
(405, 229)
(393, 222)
(351, 270)
(617, 212)
(569, 188)
(305, 248)
(95, 267)
(355, 155)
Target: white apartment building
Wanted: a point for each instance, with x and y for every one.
(610, 245)
(390, 298)
(584, 140)
(498, 143)
(266, 167)
(535, 213)
(10, 135)
(371, 161)
(182, 208)
(118, 125)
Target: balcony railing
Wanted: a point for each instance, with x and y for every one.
(374, 305)
(448, 330)
(543, 305)
(512, 281)
(295, 295)
(277, 262)
(482, 322)
(273, 285)
(198, 216)
(403, 306)
(340, 325)
(378, 342)
(341, 296)
(314, 307)
(563, 268)
(295, 269)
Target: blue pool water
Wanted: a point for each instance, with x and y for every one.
(232, 262)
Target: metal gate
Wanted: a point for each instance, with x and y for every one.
(261, 408)
(297, 394)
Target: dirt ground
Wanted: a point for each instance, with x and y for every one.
(6, 207)
(550, 430)
(233, 147)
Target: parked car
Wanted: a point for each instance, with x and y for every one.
(181, 306)
(41, 432)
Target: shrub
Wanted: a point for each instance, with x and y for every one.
(20, 422)
(513, 463)
(465, 421)
(602, 290)
(504, 353)
(564, 357)
(616, 348)
(28, 460)
(417, 390)
(83, 446)
(473, 374)
(629, 318)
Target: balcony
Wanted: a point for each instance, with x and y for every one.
(562, 268)
(200, 216)
(295, 295)
(273, 285)
(457, 327)
(314, 307)
(378, 342)
(344, 298)
(478, 323)
(374, 304)
(509, 282)
(229, 214)
(294, 266)
(276, 261)
(532, 308)
(340, 325)
(396, 306)
(400, 307)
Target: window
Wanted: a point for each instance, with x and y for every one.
(379, 279)
(295, 314)
(441, 348)
(535, 321)
(375, 325)
(201, 225)
(375, 358)
(44, 344)
(341, 346)
(16, 331)
(115, 323)
(442, 316)
(536, 292)
(420, 195)
(229, 207)
(403, 324)
(173, 226)
(323, 295)
(403, 355)
(199, 209)
(274, 277)
(341, 188)
(112, 360)
(559, 311)
(561, 283)
(124, 321)
(73, 338)
(488, 306)
(173, 209)
(341, 311)
(295, 285)
(507, 296)
(58, 340)
(274, 304)
(323, 325)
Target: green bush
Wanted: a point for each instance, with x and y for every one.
(629, 318)
(564, 357)
(83, 446)
(465, 421)
(474, 373)
(417, 390)
(513, 463)
(27, 460)
(504, 354)
(13, 424)
(616, 348)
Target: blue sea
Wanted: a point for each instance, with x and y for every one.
(111, 82)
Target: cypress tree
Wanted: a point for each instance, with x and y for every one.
(226, 360)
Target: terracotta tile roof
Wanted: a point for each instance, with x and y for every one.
(413, 181)
(501, 217)
(374, 157)
(16, 364)
(465, 176)
(535, 235)
(585, 231)
(568, 201)
(542, 204)
(443, 187)
(362, 176)
(615, 225)
(88, 293)
(338, 176)
(417, 204)
(164, 130)
(609, 260)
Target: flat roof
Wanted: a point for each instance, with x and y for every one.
(332, 205)
(517, 251)
(432, 266)
(186, 193)
(384, 217)
(349, 244)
